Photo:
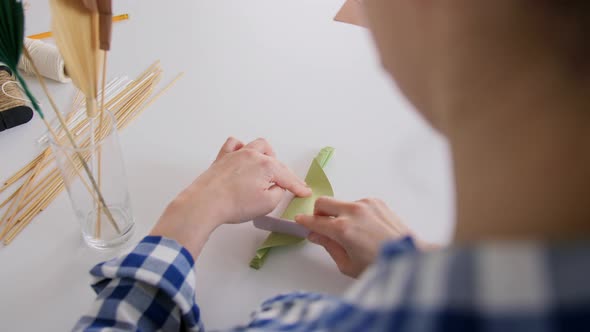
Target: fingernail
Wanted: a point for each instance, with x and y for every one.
(298, 218)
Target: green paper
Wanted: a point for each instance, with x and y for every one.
(317, 180)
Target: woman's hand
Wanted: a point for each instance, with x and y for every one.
(353, 233)
(244, 182)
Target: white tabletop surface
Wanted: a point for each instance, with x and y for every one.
(264, 68)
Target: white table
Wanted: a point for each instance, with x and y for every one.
(277, 69)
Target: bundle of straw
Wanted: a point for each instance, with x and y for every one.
(76, 33)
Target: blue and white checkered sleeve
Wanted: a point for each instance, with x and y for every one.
(151, 288)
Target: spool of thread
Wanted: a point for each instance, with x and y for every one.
(48, 60)
(13, 107)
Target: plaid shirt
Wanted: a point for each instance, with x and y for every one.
(495, 287)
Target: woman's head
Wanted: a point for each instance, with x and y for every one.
(438, 51)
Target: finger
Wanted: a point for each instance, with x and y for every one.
(286, 179)
(261, 145)
(326, 226)
(334, 249)
(328, 206)
(274, 194)
(230, 145)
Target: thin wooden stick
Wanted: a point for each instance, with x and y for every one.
(21, 173)
(34, 212)
(133, 107)
(27, 185)
(131, 90)
(158, 95)
(37, 202)
(77, 101)
(133, 102)
(102, 108)
(52, 177)
(4, 219)
(7, 218)
(138, 81)
(9, 198)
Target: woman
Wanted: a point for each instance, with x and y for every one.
(507, 83)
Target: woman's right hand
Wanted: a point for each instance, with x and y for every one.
(353, 232)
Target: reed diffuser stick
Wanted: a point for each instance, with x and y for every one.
(101, 114)
(16, 202)
(33, 212)
(20, 173)
(9, 198)
(26, 188)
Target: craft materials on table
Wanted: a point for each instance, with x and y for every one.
(128, 101)
(79, 33)
(318, 181)
(13, 108)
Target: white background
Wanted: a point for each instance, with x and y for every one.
(261, 68)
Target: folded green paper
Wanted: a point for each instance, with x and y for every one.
(317, 180)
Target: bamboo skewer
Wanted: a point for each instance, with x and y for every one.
(36, 204)
(3, 204)
(6, 218)
(18, 203)
(20, 173)
(158, 95)
(51, 178)
(46, 162)
(101, 114)
(32, 213)
(27, 186)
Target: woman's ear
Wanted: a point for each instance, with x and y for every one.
(352, 12)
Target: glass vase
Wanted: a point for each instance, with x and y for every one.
(90, 161)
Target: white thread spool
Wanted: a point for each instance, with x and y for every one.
(47, 59)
